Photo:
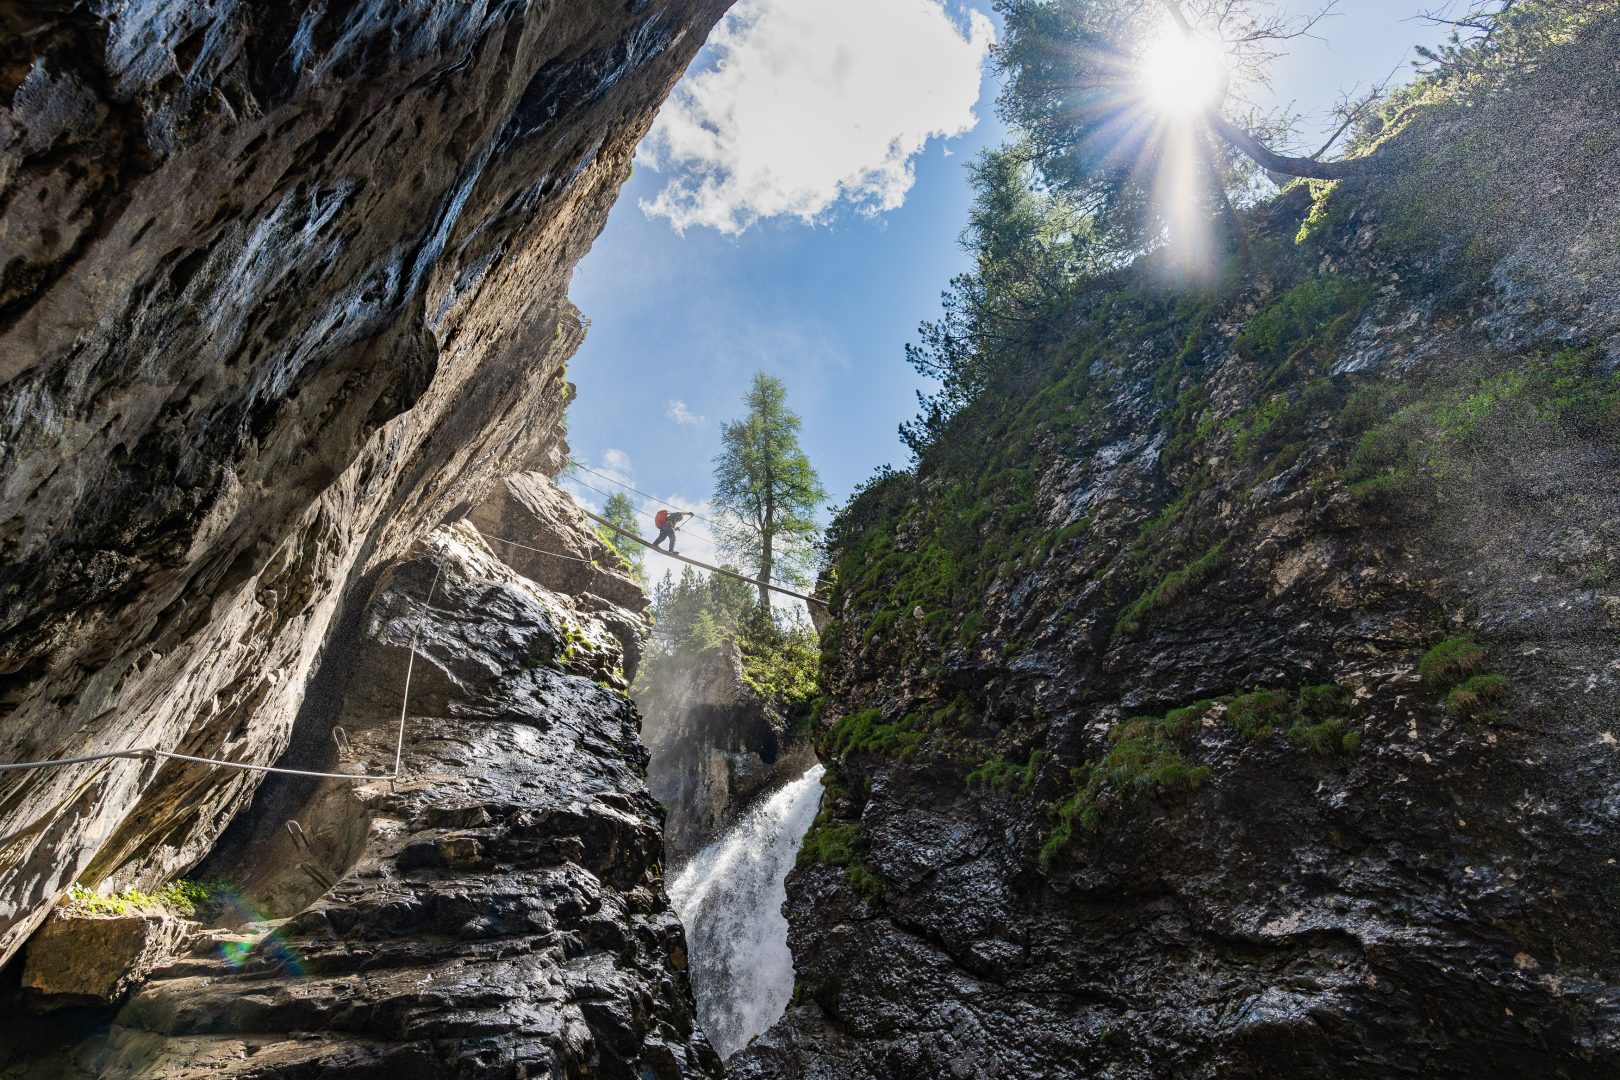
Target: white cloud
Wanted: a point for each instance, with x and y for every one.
(813, 102)
(676, 410)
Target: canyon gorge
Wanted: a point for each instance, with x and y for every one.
(1231, 689)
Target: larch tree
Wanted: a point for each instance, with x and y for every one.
(766, 489)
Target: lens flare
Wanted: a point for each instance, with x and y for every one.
(1183, 75)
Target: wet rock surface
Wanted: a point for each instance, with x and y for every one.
(1243, 897)
(283, 289)
(502, 914)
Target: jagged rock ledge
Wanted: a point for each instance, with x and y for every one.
(496, 912)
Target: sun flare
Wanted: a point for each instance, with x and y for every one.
(1183, 75)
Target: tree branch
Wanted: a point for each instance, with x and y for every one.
(1246, 143)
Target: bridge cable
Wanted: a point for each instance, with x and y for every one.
(714, 569)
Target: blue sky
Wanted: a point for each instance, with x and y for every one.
(799, 256)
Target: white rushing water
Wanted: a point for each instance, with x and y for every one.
(730, 898)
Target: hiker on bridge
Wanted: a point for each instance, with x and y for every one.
(667, 523)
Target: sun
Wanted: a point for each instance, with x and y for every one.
(1183, 75)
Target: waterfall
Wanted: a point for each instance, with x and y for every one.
(730, 898)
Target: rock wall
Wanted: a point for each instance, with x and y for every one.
(497, 912)
(283, 289)
(716, 746)
(1233, 692)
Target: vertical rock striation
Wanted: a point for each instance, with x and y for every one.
(282, 289)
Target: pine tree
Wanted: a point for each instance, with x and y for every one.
(766, 489)
(622, 513)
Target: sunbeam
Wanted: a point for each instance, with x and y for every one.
(1183, 75)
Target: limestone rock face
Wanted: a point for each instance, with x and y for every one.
(283, 289)
(497, 912)
(575, 565)
(97, 960)
(716, 746)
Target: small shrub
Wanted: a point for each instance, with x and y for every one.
(1257, 715)
(1451, 661)
(1476, 696)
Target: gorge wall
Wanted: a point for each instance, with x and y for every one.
(717, 746)
(283, 290)
(497, 912)
(1231, 691)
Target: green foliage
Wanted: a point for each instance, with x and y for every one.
(1472, 119)
(1173, 588)
(1316, 717)
(1321, 723)
(1324, 212)
(865, 732)
(622, 513)
(1007, 778)
(1316, 313)
(781, 662)
(182, 897)
(1451, 661)
(696, 615)
(1030, 245)
(1331, 736)
(1258, 714)
(1477, 695)
(766, 488)
(1453, 667)
(1144, 759)
(1072, 88)
(839, 843)
(1417, 443)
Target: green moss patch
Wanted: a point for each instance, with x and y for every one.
(181, 897)
(1451, 661)
(1477, 696)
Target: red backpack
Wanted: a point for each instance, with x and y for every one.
(662, 519)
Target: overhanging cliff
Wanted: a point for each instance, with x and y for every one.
(283, 289)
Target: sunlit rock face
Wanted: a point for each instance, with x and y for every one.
(1271, 727)
(282, 289)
